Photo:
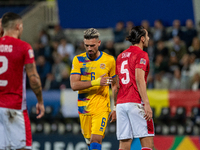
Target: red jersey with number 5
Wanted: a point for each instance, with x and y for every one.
(14, 54)
(126, 64)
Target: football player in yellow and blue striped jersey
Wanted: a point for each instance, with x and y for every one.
(92, 73)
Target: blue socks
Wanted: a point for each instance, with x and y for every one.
(95, 146)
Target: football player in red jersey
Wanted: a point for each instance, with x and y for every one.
(17, 59)
(134, 114)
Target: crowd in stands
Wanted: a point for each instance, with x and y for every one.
(174, 54)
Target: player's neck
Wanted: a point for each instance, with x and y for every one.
(96, 56)
(11, 33)
(139, 45)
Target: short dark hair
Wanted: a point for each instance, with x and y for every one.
(91, 34)
(135, 34)
(8, 17)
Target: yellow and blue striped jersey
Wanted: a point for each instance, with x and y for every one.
(94, 99)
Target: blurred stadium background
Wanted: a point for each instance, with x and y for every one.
(55, 30)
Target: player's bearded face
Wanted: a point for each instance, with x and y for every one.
(91, 47)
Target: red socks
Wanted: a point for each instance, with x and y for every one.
(146, 148)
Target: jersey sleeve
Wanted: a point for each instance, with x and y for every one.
(113, 68)
(142, 61)
(29, 54)
(75, 66)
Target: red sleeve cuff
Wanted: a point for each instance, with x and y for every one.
(140, 67)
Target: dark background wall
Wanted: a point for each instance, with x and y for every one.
(105, 13)
(15, 9)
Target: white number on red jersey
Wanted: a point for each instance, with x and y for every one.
(3, 69)
(123, 70)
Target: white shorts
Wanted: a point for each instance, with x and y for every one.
(15, 129)
(131, 123)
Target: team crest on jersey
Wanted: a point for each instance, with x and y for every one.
(143, 61)
(102, 66)
(31, 54)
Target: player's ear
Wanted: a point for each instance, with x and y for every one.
(99, 42)
(17, 26)
(142, 39)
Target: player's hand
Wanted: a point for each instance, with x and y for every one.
(112, 116)
(148, 112)
(40, 110)
(105, 81)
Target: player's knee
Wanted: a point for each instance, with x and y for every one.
(125, 144)
(96, 139)
(95, 146)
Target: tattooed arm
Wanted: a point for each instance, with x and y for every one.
(35, 84)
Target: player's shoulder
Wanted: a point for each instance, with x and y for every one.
(138, 51)
(19, 41)
(143, 53)
(22, 43)
(25, 43)
(81, 55)
(108, 56)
